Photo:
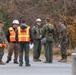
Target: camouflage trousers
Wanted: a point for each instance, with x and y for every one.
(13, 47)
(63, 50)
(37, 49)
(1, 53)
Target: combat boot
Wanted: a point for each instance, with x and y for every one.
(60, 60)
(20, 64)
(2, 63)
(15, 62)
(8, 60)
(64, 60)
(38, 60)
(28, 65)
(45, 61)
(35, 60)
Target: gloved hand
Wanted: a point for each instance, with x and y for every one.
(4, 46)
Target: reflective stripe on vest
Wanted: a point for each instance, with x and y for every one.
(12, 34)
(24, 34)
(0, 45)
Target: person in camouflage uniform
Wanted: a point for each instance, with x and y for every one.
(63, 40)
(2, 41)
(48, 32)
(37, 40)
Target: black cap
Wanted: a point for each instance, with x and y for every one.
(23, 20)
(61, 20)
(48, 19)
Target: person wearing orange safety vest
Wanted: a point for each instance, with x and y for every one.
(2, 43)
(24, 37)
(13, 45)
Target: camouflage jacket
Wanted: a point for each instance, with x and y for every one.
(37, 31)
(63, 34)
(2, 36)
(48, 31)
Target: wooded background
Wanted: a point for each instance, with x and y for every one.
(33, 9)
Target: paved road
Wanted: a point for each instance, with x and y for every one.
(37, 68)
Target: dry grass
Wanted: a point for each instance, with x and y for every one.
(56, 53)
(57, 56)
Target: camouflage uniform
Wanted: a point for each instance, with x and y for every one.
(47, 32)
(2, 41)
(37, 42)
(63, 41)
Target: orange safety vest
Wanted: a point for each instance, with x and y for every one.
(3, 45)
(12, 34)
(24, 34)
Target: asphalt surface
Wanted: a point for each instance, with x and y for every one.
(36, 68)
